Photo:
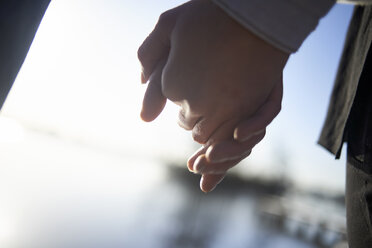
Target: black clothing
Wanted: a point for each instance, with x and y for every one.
(358, 206)
(359, 126)
(359, 162)
(19, 21)
(350, 120)
(351, 65)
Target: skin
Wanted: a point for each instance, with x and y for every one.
(226, 80)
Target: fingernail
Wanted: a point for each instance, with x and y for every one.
(202, 188)
(198, 166)
(210, 190)
(235, 134)
(241, 139)
(190, 169)
(206, 190)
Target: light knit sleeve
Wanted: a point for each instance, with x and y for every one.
(283, 23)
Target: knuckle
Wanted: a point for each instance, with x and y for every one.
(141, 54)
(198, 135)
(263, 132)
(260, 137)
(246, 154)
(165, 17)
(278, 109)
(198, 138)
(182, 122)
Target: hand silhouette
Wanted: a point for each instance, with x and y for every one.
(220, 74)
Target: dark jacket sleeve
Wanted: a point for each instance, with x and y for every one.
(19, 21)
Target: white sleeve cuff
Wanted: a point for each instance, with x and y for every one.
(284, 24)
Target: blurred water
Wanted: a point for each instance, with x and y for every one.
(55, 192)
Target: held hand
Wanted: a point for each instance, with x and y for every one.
(215, 70)
(213, 161)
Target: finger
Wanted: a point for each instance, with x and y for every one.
(232, 149)
(211, 130)
(156, 46)
(263, 117)
(186, 121)
(191, 160)
(209, 182)
(205, 167)
(153, 101)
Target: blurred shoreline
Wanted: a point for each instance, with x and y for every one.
(314, 217)
(63, 192)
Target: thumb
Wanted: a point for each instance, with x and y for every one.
(153, 101)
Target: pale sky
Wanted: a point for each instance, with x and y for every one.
(81, 80)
